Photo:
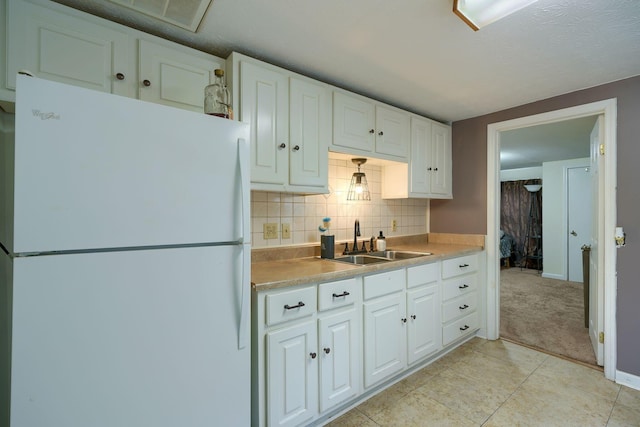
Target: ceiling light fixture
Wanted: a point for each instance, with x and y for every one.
(185, 14)
(480, 13)
(359, 188)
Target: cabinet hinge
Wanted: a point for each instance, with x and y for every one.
(602, 149)
(601, 337)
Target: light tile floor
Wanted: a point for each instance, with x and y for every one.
(498, 383)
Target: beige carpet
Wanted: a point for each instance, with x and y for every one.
(544, 313)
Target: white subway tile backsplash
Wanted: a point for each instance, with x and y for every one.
(305, 213)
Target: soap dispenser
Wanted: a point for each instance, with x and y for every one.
(381, 243)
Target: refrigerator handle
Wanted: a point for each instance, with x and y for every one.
(243, 327)
(245, 190)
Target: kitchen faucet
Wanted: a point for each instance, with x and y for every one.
(356, 234)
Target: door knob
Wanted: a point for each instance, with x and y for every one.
(573, 233)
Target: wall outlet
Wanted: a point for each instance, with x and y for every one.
(286, 231)
(394, 225)
(270, 230)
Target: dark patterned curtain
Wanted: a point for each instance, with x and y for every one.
(515, 203)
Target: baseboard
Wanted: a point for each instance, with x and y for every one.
(628, 380)
(553, 276)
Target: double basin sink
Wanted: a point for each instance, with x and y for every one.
(379, 257)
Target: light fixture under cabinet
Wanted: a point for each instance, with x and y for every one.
(480, 13)
(359, 188)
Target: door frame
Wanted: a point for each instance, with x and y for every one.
(608, 108)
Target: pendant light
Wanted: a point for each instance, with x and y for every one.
(359, 188)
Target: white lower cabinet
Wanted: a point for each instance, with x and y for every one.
(318, 347)
(292, 374)
(460, 298)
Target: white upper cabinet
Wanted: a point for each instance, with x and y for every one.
(290, 118)
(67, 49)
(428, 173)
(309, 132)
(62, 44)
(365, 127)
(174, 76)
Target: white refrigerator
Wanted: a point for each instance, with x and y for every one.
(125, 263)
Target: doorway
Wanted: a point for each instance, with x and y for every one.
(579, 217)
(607, 199)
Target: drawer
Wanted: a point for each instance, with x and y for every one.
(459, 307)
(453, 288)
(422, 275)
(459, 266)
(460, 328)
(289, 305)
(384, 283)
(337, 294)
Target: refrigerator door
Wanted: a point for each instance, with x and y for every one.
(133, 338)
(95, 170)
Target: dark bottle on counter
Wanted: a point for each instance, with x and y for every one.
(217, 101)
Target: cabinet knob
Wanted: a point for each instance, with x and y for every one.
(296, 148)
(372, 131)
(146, 83)
(120, 76)
(327, 350)
(313, 355)
(403, 320)
(380, 133)
(435, 169)
(282, 145)
(429, 169)
(413, 316)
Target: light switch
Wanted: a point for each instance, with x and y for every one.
(286, 231)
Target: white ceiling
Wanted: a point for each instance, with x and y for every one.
(418, 55)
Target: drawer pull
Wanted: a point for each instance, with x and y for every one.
(465, 328)
(463, 307)
(327, 350)
(464, 286)
(344, 294)
(463, 265)
(291, 307)
(313, 355)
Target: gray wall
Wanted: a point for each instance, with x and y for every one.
(467, 211)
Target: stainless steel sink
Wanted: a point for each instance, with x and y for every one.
(361, 259)
(391, 255)
(380, 256)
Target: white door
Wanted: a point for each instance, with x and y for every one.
(579, 205)
(596, 275)
(309, 133)
(292, 374)
(338, 354)
(132, 338)
(419, 179)
(353, 122)
(265, 106)
(441, 160)
(424, 332)
(392, 132)
(175, 77)
(384, 338)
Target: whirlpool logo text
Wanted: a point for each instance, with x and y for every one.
(45, 116)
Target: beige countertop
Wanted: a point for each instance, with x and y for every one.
(278, 273)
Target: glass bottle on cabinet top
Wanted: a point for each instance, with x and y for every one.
(217, 100)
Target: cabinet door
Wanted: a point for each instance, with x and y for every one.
(419, 168)
(385, 351)
(392, 132)
(175, 77)
(265, 106)
(66, 49)
(339, 354)
(292, 375)
(309, 133)
(441, 154)
(353, 122)
(424, 327)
